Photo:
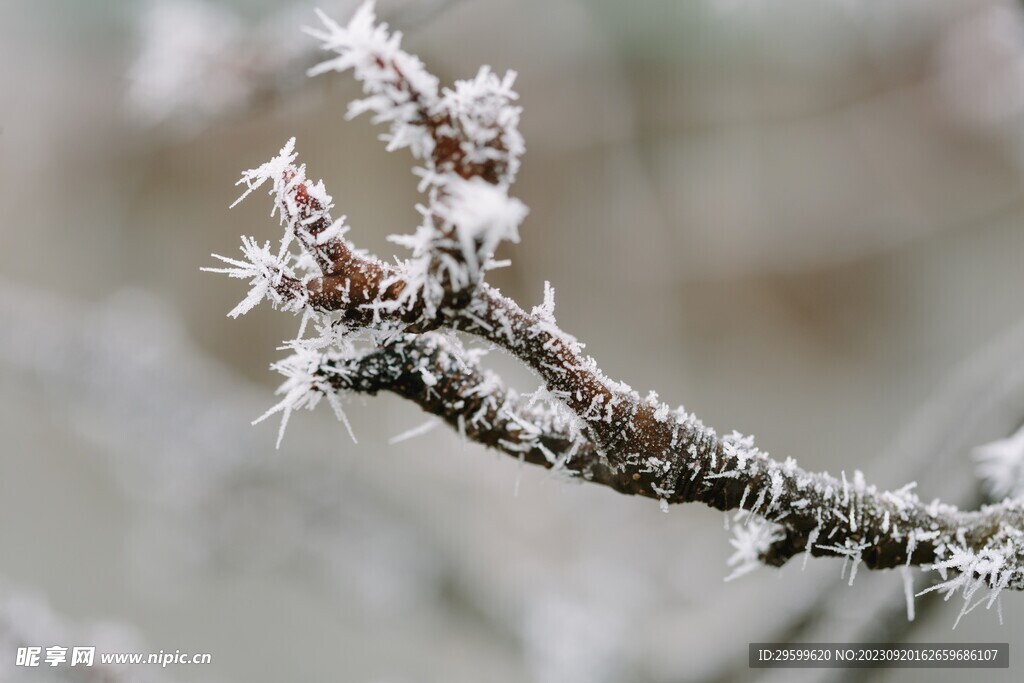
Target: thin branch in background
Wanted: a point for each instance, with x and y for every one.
(198, 62)
(26, 620)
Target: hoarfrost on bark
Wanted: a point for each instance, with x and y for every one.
(379, 326)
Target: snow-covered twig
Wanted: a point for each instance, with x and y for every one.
(598, 428)
(467, 138)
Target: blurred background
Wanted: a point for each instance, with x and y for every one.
(801, 219)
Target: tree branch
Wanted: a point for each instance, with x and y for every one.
(641, 447)
(381, 327)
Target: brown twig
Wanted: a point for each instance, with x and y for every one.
(594, 427)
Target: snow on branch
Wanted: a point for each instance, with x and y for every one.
(471, 130)
(266, 273)
(398, 88)
(467, 138)
(989, 570)
(383, 327)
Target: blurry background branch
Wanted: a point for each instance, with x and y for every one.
(201, 62)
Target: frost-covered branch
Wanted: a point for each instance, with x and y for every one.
(438, 374)
(807, 512)
(370, 326)
(467, 138)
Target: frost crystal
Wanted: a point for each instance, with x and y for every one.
(908, 590)
(990, 568)
(1001, 465)
(482, 216)
(482, 110)
(852, 551)
(415, 431)
(751, 540)
(273, 170)
(265, 272)
(397, 86)
(307, 381)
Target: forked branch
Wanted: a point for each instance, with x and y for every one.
(384, 327)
